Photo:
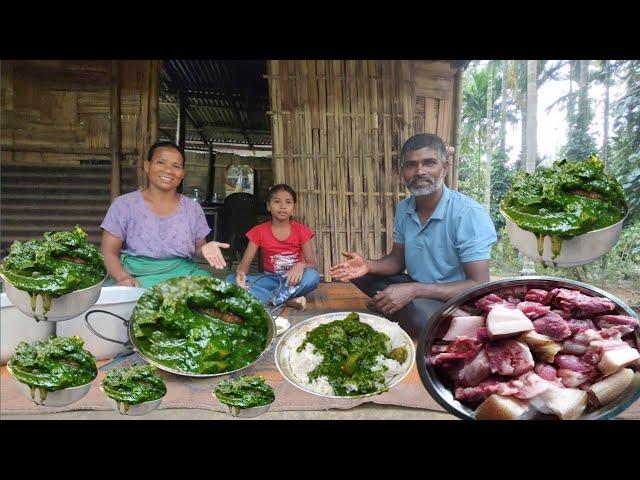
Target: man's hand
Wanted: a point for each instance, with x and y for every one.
(295, 274)
(211, 251)
(241, 280)
(127, 281)
(395, 297)
(354, 267)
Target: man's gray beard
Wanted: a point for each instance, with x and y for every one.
(430, 190)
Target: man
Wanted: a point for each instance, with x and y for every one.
(441, 237)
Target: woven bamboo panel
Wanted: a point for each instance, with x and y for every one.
(337, 127)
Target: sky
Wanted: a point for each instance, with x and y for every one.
(552, 126)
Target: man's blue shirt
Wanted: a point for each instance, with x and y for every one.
(459, 231)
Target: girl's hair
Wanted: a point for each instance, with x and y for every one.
(282, 187)
(163, 144)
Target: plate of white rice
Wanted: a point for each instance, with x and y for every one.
(296, 366)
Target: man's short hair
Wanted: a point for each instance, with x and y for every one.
(424, 140)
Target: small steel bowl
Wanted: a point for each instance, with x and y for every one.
(62, 308)
(437, 326)
(56, 398)
(574, 251)
(134, 410)
(246, 412)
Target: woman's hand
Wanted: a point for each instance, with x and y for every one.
(241, 280)
(354, 267)
(127, 281)
(211, 251)
(295, 274)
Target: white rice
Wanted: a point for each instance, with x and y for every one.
(302, 363)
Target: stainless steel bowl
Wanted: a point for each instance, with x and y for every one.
(574, 251)
(62, 308)
(250, 412)
(283, 362)
(134, 410)
(57, 398)
(439, 324)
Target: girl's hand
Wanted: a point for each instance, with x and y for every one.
(211, 251)
(241, 280)
(295, 274)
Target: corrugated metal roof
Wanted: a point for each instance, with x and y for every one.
(227, 101)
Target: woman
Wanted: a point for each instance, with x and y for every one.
(160, 229)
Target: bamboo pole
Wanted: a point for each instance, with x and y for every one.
(115, 132)
(154, 99)
(457, 114)
(143, 122)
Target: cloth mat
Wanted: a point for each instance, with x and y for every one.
(187, 392)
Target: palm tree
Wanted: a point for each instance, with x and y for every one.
(488, 139)
(532, 125)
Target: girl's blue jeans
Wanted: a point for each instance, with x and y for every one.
(266, 287)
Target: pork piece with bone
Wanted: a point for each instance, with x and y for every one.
(577, 325)
(464, 327)
(475, 371)
(623, 323)
(507, 322)
(578, 304)
(532, 385)
(487, 387)
(489, 302)
(509, 357)
(553, 326)
(463, 348)
(536, 295)
(533, 310)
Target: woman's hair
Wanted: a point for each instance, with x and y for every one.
(282, 187)
(163, 144)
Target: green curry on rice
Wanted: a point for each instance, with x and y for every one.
(350, 350)
(200, 325)
(566, 200)
(61, 263)
(55, 364)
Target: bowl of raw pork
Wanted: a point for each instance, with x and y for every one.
(532, 348)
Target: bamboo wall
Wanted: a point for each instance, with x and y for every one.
(60, 137)
(337, 127)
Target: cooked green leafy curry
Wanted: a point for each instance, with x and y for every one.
(200, 325)
(55, 364)
(350, 349)
(245, 392)
(569, 199)
(134, 384)
(61, 263)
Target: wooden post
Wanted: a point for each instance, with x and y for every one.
(457, 112)
(212, 173)
(154, 100)
(181, 128)
(115, 136)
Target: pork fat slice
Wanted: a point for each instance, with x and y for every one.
(504, 322)
(608, 389)
(617, 358)
(566, 403)
(497, 407)
(463, 327)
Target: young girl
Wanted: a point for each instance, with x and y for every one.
(152, 235)
(287, 252)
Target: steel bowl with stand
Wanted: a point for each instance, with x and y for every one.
(64, 307)
(574, 251)
(439, 324)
